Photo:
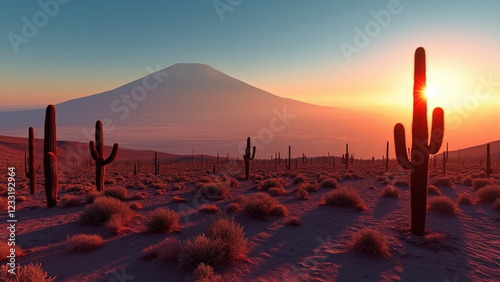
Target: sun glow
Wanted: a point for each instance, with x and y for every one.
(432, 91)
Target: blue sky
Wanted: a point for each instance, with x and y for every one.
(290, 48)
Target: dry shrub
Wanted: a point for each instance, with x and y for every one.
(135, 206)
(329, 183)
(391, 192)
(302, 194)
(83, 243)
(92, 195)
(370, 242)
(259, 205)
(222, 243)
(279, 210)
(465, 199)
(401, 182)
(344, 197)
(205, 273)
(215, 191)
(109, 181)
(167, 250)
(20, 199)
(209, 208)
(179, 186)
(233, 207)
(488, 194)
(70, 201)
(467, 181)
(299, 179)
(162, 220)
(115, 224)
(3, 204)
(233, 182)
(276, 191)
(27, 273)
(272, 182)
(442, 205)
(177, 199)
(293, 221)
(431, 189)
(103, 209)
(139, 196)
(496, 205)
(5, 250)
(119, 193)
(444, 181)
(480, 183)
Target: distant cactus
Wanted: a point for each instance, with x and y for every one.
(50, 157)
(345, 157)
(387, 157)
(304, 158)
(333, 162)
(248, 158)
(97, 153)
(289, 163)
(421, 147)
(445, 159)
(157, 165)
(29, 162)
(488, 169)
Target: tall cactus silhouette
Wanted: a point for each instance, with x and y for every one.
(345, 157)
(50, 157)
(387, 157)
(248, 158)
(445, 159)
(289, 163)
(421, 146)
(29, 162)
(97, 153)
(488, 169)
(157, 165)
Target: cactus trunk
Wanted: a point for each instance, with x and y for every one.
(97, 153)
(488, 169)
(29, 162)
(247, 157)
(421, 147)
(288, 165)
(387, 157)
(50, 156)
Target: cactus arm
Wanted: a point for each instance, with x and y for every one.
(437, 131)
(113, 155)
(400, 144)
(26, 169)
(253, 153)
(93, 151)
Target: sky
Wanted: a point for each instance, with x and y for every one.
(350, 54)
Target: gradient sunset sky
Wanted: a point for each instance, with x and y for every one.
(290, 48)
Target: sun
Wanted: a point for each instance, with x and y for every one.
(431, 91)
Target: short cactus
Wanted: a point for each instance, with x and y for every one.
(157, 165)
(248, 158)
(345, 157)
(29, 162)
(421, 146)
(289, 163)
(387, 157)
(488, 169)
(97, 153)
(50, 157)
(445, 159)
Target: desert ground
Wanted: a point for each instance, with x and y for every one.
(303, 234)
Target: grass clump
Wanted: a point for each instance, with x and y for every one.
(215, 191)
(496, 205)
(442, 181)
(442, 205)
(480, 183)
(431, 189)
(391, 192)
(344, 198)
(68, 201)
(370, 242)
(103, 208)
(167, 250)
(162, 220)
(205, 273)
(329, 183)
(259, 205)
(83, 243)
(27, 273)
(222, 243)
(119, 193)
(209, 208)
(272, 183)
(465, 199)
(488, 193)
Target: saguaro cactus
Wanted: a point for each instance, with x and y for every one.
(445, 159)
(304, 158)
(488, 169)
(157, 165)
(29, 162)
(289, 163)
(421, 147)
(345, 157)
(97, 153)
(50, 157)
(248, 158)
(387, 157)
